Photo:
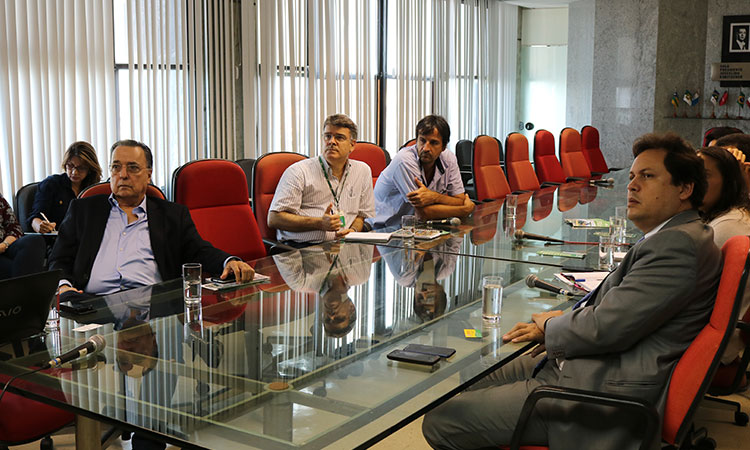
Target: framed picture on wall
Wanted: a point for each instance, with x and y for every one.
(735, 43)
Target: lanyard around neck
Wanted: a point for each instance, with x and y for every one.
(340, 187)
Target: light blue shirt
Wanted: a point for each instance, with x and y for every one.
(397, 180)
(125, 259)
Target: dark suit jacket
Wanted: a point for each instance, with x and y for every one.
(643, 317)
(52, 198)
(174, 239)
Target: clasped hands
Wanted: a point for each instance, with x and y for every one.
(422, 196)
(331, 222)
(534, 331)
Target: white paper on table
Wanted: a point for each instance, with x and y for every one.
(590, 279)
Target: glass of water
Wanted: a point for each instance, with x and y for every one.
(492, 297)
(617, 229)
(191, 283)
(607, 244)
(408, 224)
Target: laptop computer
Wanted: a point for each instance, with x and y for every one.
(24, 304)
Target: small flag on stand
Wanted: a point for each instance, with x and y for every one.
(724, 98)
(715, 97)
(696, 98)
(741, 99)
(687, 97)
(675, 99)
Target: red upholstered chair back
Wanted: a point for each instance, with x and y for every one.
(588, 194)
(485, 219)
(371, 154)
(489, 177)
(591, 150)
(215, 192)
(521, 176)
(694, 371)
(267, 172)
(548, 168)
(571, 156)
(106, 189)
(408, 143)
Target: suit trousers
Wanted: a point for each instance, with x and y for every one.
(485, 415)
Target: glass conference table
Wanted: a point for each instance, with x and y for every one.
(299, 362)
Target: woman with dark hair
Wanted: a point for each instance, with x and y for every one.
(726, 208)
(19, 254)
(726, 205)
(82, 169)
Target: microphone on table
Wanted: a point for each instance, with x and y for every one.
(605, 182)
(451, 222)
(520, 234)
(533, 281)
(94, 344)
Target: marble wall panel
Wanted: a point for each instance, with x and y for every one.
(624, 73)
(580, 70)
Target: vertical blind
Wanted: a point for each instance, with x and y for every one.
(202, 78)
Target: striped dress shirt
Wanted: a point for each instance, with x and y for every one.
(303, 190)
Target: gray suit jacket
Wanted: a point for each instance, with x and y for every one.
(628, 341)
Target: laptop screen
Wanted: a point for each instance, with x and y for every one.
(25, 303)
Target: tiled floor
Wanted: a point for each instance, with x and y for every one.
(716, 418)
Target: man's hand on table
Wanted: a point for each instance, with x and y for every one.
(242, 271)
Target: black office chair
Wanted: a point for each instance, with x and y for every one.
(247, 167)
(22, 204)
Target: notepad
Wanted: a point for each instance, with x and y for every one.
(356, 236)
(561, 254)
(588, 280)
(257, 279)
(588, 223)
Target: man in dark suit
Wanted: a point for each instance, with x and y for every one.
(106, 244)
(625, 339)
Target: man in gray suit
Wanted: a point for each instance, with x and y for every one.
(625, 339)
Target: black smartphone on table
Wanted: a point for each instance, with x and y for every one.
(413, 357)
(443, 352)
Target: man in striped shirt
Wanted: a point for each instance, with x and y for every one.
(325, 197)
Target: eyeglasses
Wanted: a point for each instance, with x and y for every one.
(70, 167)
(132, 168)
(338, 137)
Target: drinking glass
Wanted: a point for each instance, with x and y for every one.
(607, 246)
(617, 229)
(408, 224)
(191, 282)
(492, 297)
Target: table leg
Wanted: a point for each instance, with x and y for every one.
(88, 434)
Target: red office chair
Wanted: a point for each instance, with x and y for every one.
(592, 152)
(548, 168)
(732, 377)
(267, 172)
(571, 156)
(104, 188)
(374, 156)
(408, 143)
(521, 176)
(23, 420)
(691, 375)
(215, 192)
(489, 178)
